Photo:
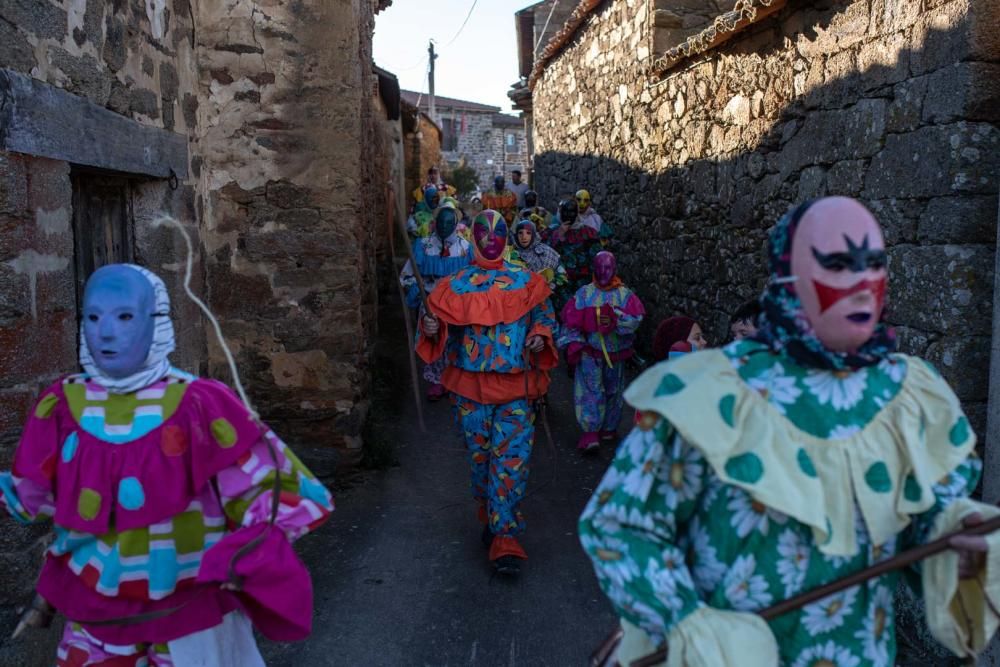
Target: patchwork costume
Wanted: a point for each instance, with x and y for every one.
(598, 334)
(154, 482)
(502, 200)
(435, 258)
(771, 467)
(488, 312)
(577, 245)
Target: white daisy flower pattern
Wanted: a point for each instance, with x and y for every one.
(745, 590)
(777, 388)
(681, 480)
(829, 613)
(794, 561)
(613, 561)
(893, 369)
(827, 655)
(638, 482)
(708, 569)
(877, 630)
(749, 515)
(842, 390)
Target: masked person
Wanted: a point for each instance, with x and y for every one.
(419, 222)
(537, 214)
(493, 323)
(588, 216)
(441, 253)
(577, 244)
(501, 199)
(536, 256)
(598, 332)
(780, 463)
(156, 481)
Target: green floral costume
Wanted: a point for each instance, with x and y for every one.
(751, 479)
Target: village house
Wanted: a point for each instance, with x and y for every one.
(477, 135)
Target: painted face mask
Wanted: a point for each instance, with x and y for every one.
(445, 221)
(489, 234)
(604, 268)
(583, 200)
(431, 196)
(118, 319)
(530, 199)
(568, 211)
(498, 183)
(838, 256)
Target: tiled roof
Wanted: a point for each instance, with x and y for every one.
(446, 102)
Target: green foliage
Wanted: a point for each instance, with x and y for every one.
(464, 179)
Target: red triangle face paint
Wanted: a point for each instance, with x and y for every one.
(828, 296)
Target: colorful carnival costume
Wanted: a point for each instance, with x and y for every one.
(577, 244)
(773, 466)
(598, 331)
(497, 332)
(537, 214)
(501, 199)
(440, 253)
(419, 222)
(155, 480)
(536, 255)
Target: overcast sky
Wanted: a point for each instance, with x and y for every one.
(479, 66)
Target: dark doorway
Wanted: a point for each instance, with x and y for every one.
(103, 223)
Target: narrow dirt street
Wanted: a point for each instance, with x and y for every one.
(400, 574)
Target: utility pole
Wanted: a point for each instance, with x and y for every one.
(431, 57)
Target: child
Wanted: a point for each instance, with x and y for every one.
(674, 329)
(744, 322)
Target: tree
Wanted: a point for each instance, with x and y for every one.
(464, 179)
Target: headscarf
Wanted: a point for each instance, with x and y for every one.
(783, 325)
(156, 365)
(670, 331)
(537, 256)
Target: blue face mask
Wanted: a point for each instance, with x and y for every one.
(445, 223)
(118, 319)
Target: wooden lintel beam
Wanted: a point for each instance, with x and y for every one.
(37, 118)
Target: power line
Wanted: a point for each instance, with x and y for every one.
(467, 16)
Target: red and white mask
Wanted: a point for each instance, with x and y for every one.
(839, 261)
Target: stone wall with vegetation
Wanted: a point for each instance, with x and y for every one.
(890, 101)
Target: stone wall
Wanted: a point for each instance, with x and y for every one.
(507, 158)
(422, 148)
(289, 177)
(475, 145)
(893, 102)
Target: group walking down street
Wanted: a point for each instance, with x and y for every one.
(323, 343)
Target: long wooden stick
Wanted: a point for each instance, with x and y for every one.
(897, 562)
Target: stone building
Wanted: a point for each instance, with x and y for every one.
(695, 134)
(478, 135)
(261, 127)
(423, 147)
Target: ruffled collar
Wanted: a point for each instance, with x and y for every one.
(888, 466)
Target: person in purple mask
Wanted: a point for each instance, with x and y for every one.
(158, 484)
(598, 332)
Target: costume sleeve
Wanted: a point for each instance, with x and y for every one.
(26, 501)
(959, 612)
(411, 289)
(428, 348)
(27, 490)
(631, 529)
(630, 315)
(247, 490)
(543, 323)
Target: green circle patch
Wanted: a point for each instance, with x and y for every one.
(911, 489)
(45, 406)
(223, 432)
(726, 407)
(669, 385)
(877, 478)
(805, 463)
(745, 468)
(959, 432)
(89, 504)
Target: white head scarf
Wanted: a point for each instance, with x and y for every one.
(156, 365)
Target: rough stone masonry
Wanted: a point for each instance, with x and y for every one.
(891, 101)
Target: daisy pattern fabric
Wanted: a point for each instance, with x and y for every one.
(751, 479)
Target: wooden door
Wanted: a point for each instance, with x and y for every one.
(103, 224)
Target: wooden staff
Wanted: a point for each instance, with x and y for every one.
(898, 562)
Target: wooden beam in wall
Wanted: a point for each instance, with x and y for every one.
(37, 118)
